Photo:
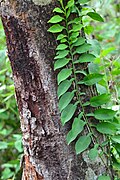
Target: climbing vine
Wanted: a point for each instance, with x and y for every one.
(73, 63)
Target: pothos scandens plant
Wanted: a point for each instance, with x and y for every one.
(72, 51)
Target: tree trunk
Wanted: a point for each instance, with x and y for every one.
(31, 51)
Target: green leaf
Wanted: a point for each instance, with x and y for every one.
(58, 10)
(56, 28)
(106, 128)
(77, 128)
(104, 178)
(83, 1)
(63, 74)
(91, 79)
(95, 16)
(63, 87)
(116, 138)
(93, 68)
(104, 114)
(65, 100)
(82, 144)
(85, 58)
(76, 27)
(7, 173)
(83, 48)
(68, 13)
(69, 4)
(79, 41)
(62, 54)
(95, 47)
(101, 89)
(61, 36)
(73, 37)
(63, 40)
(100, 100)
(81, 72)
(61, 47)
(55, 19)
(68, 113)
(75, 21)
(61, 63)
(93, 153)
(3, 145)
(18, 145)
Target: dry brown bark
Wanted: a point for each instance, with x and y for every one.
(31, 51)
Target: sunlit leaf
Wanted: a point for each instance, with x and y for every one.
(56, 28)
(55, 19)
(58, 10)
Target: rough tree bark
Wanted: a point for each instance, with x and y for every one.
(31, 52)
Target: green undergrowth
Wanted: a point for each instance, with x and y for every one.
(10, 135)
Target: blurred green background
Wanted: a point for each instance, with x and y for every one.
(10, 135)
(105, 40)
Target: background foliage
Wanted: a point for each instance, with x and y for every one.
(105, 38)
(10, 136)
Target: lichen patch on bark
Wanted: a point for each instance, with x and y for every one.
(42, 2)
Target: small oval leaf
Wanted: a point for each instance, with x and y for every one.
(85, 58)
(68, 113)
(93, 153)
(63, 87)
(83, 48)
(106, 128)
(61, 47)
(82, 144)
(61, 54)
(77, 128)
(58, 10)
(61, 63)
(55, 19)
(63, 74)
(104, 114)
(91, 79)
(65, 100)
(56, 28)
(100, 100)
(79, 41)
